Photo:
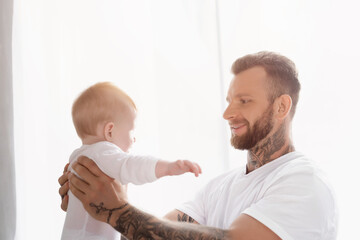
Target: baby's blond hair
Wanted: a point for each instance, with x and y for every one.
(100, 103)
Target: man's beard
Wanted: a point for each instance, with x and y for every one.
(262, 127)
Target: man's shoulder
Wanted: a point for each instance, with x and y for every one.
(299, 188)
(304, 175)
(297, 164)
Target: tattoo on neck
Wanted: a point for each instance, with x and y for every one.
(135, 224)
(263, 153)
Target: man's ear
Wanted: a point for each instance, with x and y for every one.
(283, 106)
(108, 131)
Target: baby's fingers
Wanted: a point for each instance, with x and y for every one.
(198, 166)
(193, 167)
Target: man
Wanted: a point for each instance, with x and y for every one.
(280, 194)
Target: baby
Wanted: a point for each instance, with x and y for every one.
(104, 116)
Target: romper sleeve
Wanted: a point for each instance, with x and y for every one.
(122, 166)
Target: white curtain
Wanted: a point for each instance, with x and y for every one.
(173, 58)
(162, 53)
(7, 171)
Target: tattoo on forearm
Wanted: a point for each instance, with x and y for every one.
(135, 224)
(185, 218)
(101, 208)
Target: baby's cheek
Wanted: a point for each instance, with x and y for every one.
(129, 144)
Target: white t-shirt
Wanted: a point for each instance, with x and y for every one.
(289, 195)
(117, 164)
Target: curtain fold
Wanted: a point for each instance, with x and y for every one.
(7, 172)
(162, 53)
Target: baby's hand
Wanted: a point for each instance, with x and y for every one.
(182, 166)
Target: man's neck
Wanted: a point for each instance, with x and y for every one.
(270, 148)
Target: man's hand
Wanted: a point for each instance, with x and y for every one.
(64, 188)
(99, 193)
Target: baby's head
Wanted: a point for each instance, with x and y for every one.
(104, 112)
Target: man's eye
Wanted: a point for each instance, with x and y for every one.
(244, 101)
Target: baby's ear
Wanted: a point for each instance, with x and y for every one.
(108, 131)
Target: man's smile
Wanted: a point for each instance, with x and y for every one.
(237, 128)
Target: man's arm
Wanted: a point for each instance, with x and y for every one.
(178, 216)
(107, 202)
(136, 224)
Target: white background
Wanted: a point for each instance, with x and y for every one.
(173, 58)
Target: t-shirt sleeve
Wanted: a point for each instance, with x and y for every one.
(298, 207)
(122, 166)
(195, 208)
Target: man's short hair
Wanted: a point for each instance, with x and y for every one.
(282, 74)
(101, 102)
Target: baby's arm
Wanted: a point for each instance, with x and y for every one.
(135, 169)
(164, 168)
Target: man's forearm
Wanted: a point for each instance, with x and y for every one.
(135, 224)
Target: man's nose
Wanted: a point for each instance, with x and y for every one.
(229, 113)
